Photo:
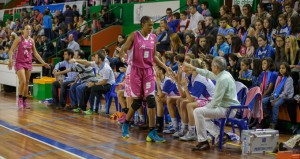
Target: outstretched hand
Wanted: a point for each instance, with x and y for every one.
(46, 66)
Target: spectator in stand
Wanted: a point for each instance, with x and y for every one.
(176, 45)
(73, 45)
(251, 46)
(224, 28)
(75, 24)
(3, 33)
(184, 22)
(211, 28)
(96, 26)
(107, 16)
(221, 47)
(175, 22)
(200, 30)
(259, 28)
(169, 15)
(194, 18)
(292, 50)
(234, 67)
(203, 47)
(10, 23)
(236, 24)
(289, 11)
(280, 55)
(58, 15)
(47, 22)
(262, 12)
(18, 25)
(294, 26)
(61, 42)
(282, 28)
(163, 43)
(236, 46)
(225, 12)
(69, 15)
(74, 8)
(38, 16)
(82, 27)
(236, 11)
(268, 77)
(247, 12)
(264, 50)
(269, 30)
(205, 11)
(198, 6)
(191, 47)
(276, 11)
(72, 30)
(47, 48)
(283, 90)
(246, 29)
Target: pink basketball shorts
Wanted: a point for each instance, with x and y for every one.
(142, 81)
(21, 65)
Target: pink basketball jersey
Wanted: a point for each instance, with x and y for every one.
(143, 50)
(23, 54)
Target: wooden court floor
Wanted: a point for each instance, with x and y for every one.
(44, 132)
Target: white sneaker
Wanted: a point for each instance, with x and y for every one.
(189, 136)
(292, 141)
(179, 133)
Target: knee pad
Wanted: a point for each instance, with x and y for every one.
(151, 101)
(136, 104)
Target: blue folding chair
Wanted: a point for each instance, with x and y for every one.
(241, 123)
(113, 95)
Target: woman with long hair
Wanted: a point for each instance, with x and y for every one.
(190, 45)
(247, 12)
(280, 55)
(23, 63)
(236, 11)
(246, 29)
(292, 50)
(176, 44)
(269, 30)
(251, 46)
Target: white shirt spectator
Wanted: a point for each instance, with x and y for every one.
(194, 20)
(104, 72)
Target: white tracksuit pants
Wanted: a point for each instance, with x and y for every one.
(203, 121)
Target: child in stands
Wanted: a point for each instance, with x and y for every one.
(283, 90)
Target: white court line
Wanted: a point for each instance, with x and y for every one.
(41, 142)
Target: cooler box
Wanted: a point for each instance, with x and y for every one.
(259, 140)
(42, 88)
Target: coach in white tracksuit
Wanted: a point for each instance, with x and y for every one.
(225, 95)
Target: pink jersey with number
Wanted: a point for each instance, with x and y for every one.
(23, 54)
(143, 52)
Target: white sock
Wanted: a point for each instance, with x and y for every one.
(141, 118)
(174, 123)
